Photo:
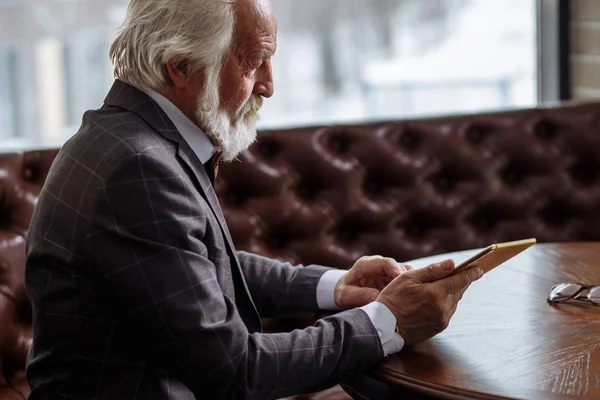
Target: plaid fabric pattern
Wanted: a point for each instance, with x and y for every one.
(138, 292)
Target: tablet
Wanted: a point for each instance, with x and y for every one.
(494, 255)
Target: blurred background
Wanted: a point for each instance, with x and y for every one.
(337, 60)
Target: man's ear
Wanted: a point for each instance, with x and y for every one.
(181, 78)
(178, 74)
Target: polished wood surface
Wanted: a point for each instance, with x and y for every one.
(505, 341)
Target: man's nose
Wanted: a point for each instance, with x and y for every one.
(264, 83)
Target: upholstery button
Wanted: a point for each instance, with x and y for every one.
(347, 235)
(477, 133)
(554, 214)
(28, 174)
(410, 140)
(584, 173)
(340, 143)
(349, 229)
(308, 191)
(546, 130)
(268, 148)
(3, 270)
(511, 175)
(443, 182)
(25, 313)
(399, 224)
(373, 187)
(32, 172)
(277, 242)
(5, 212)
(416, 229)
(234, 199)
(484, 222)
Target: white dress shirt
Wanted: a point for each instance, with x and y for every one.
(382, 318)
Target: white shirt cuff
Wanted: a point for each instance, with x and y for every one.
(385, 324)
(326, 287)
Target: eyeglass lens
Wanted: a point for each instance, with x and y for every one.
(594, 295)
(565, 291)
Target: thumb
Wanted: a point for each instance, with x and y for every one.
(433, 272)
(359, 296)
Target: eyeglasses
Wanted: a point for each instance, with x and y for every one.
(575, 291)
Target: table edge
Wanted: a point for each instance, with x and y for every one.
(389, 376)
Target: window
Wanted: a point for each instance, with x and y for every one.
(9, 95)
(337, 61)
(342, 61)
(86, 69)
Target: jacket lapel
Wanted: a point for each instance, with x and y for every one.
(187, 155)
(129, 98)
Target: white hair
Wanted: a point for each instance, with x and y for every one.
(195, 34)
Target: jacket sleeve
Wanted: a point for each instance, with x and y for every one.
(278, 288)
(147, 252)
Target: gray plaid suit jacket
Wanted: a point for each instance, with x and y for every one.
(138, 292)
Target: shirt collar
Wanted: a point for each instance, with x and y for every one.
(192, 134)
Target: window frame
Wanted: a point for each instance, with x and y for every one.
(554, 49)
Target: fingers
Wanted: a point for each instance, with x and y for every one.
(461, 281)
(353, 296)
(375, 266)
(434, 272)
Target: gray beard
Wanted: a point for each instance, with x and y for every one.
(230, 136)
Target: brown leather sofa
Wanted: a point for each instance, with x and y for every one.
(332, 194)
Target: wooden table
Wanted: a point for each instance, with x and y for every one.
(505, 341)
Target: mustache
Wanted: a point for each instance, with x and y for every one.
(252, 106)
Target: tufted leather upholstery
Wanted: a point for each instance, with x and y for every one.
(332, 194)
(21, 178)
(410, 189)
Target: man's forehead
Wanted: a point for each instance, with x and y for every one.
(256, 13)
(256, 25)
(264, 6)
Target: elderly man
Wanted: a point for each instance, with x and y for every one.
(137, 289)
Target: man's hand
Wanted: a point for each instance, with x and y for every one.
(424, 300)
(363, 283)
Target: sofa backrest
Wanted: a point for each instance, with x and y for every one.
(332, 194)
(21, 178)
(409, 189)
